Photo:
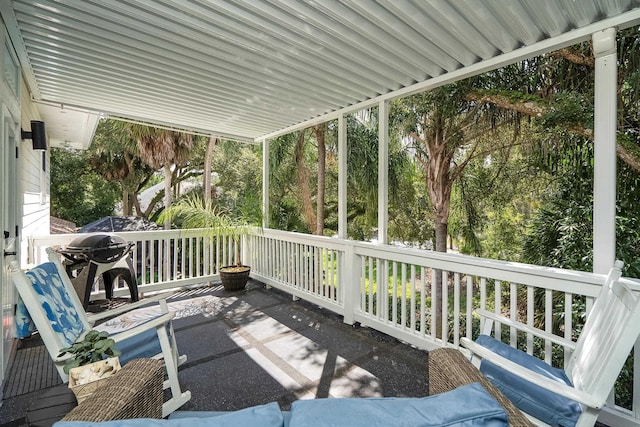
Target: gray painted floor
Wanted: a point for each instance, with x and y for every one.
(257, 346)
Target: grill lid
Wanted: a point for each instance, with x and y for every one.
(100, 248)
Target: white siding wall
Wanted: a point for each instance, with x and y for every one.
(33, 181)
(9, 211)
(24, 186)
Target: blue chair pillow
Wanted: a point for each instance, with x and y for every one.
(546, 406)
(56, 302)
(466, 406)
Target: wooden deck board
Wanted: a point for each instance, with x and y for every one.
(32, 370)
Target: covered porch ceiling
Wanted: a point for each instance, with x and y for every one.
(250, 69)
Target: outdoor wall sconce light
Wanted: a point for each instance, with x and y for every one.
(37, 135)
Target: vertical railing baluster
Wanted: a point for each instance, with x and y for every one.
(548, 322)
(445, 305)
(434, 291)
(530, 317)
(423, 300)
(394, 292)
(152, 268)
(456, 309)
(403, 295)
(469, 308)
(413, 297)
(513, 313)
(363, 283)
(635, 404)
(497, 296)
(568, 324)
(371, 283)
(198, 257)
(176, 257)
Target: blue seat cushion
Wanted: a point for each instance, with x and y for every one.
(286, 415)
(466, 406)
(139, 346)
(268, 415)
(546, 406)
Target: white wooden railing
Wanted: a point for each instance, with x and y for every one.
(162, 259)
(384, 287)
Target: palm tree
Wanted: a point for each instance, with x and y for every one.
(161, 149)
(114, 155)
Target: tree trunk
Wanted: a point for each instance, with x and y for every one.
(441, 246)
(439, 184)
(126, 201)
(167, 193)
(136, 204)
(302, 175)
(206, 177)
(319, 131)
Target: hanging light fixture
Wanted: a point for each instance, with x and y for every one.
(37, 135)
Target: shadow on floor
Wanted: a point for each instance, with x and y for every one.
(252, 347)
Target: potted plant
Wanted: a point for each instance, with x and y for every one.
(94, 347)
(193, 212)
(88, 367)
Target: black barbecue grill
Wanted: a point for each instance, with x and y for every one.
(89, 256)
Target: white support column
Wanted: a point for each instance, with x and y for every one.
(265, 183)
(342, 176)
(383, 171)
(604, 179)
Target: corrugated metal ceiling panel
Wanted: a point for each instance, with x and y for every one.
(250, 67)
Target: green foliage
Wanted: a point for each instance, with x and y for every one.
(238, 167)
(92, 348)
(569, 108)
(78, 193)
(561, 231)
(194, 212)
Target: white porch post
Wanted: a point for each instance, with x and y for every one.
(383, 171)
(604, 178)
(342, 176)
(265, 183)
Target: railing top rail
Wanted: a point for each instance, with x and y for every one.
(309, 239)
(130, 235)
(546, 277)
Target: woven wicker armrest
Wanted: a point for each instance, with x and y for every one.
(449, 369)
(133, 392)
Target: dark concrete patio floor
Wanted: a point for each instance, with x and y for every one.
(258, 346)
